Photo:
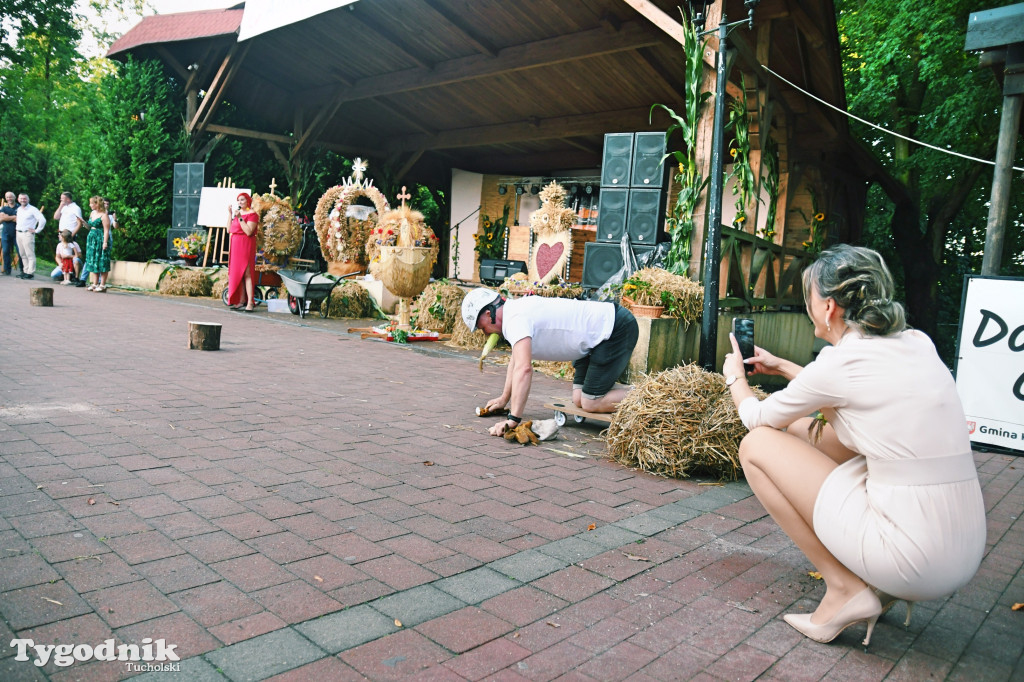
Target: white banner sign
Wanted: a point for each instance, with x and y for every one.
(990, 362)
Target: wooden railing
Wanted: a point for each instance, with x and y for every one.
(758, 274)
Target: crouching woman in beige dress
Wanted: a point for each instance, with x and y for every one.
(886, 496)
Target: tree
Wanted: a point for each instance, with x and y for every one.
(905, 67)
(141, 118)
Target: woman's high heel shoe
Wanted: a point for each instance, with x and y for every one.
(888, 600)
(864, 607)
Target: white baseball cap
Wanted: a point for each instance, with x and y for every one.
(474, 302)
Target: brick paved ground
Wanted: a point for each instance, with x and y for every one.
(270, 510)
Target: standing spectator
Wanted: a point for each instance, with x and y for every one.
(83, 278)
(69, 217)
(68, 252)
(30, 223)
(97, 245)
(8, 216)
(242, 254)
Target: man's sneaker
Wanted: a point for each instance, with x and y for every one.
(81, 283)
(29, 277)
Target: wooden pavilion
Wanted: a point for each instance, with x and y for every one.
(527, 89)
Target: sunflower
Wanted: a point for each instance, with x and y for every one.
(734, 152)
(740, 219)
(818, 217)
(490, 235)
(177, 242)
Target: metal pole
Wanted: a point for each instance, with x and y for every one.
(713, 245)
(1001, 178)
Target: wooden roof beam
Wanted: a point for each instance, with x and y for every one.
(541, 53)
(244, 132)
(806, 24)
(225, 74)
(171, 61)
(536, 129)
(390, 42)
(464, 30)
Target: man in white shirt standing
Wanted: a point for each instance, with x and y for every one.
(597, 337)
(30, 223)
(69, 217)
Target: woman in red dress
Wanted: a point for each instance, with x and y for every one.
(242, 253)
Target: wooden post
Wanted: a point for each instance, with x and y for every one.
(995, 229)
(41, 296)
(203, 336)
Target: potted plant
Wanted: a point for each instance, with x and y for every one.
(190, 247)
(641, 297)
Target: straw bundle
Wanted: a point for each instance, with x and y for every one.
(184, 282)
(678, 422)
(349, 300)
(686, 296)
(279, 228)
(463, 338)
(402, 251)
(218, 284)
(343, 236)
(439, 307)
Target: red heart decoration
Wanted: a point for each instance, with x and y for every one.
(547, 258)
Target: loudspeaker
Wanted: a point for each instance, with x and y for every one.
(648, 152)
(611, 214)
(493, 271)
(617, 159)
(188, 179)
(601, 261)
(184, 211)
(645, 216)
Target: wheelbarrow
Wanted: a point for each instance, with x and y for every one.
(307, 289)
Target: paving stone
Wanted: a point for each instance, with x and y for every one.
(247, 627)
(193, 669)
(41, 604)
(216, 603)
(189, 638)
(347, 629)
(252, 572)
(23, 570)
(417, 605)
(477, 585)
(263, 656)
(296, 601)
(528, 565)
(142, 547)
(129, 603)
(85, 574)
(395, 657)
(571, 550)
(645, 524)
(177, 573)
(465, 629)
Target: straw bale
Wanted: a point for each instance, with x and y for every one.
(677, 423)
(349, 300)
(689, 295)
(219, 284)
(445, 299)
(463, 338)
(185, 282)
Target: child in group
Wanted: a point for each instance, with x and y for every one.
(67, 253)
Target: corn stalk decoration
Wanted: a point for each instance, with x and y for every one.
(691, 182)
(770, 181)
(745, 185)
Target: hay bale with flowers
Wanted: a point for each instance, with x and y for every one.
(677, 423)
(439, 307)
(349, 299)
(184, 282)
(680, 296)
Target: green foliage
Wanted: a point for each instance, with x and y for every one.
(905, 67)
(140, 117)
(490, 242)
(680, 221)
(745, 186)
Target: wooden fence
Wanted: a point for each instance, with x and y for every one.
(758, 274)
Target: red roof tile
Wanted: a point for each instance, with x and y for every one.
(169, 28)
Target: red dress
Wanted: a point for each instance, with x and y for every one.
(241, 256)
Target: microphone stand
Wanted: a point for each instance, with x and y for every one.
(455, 232)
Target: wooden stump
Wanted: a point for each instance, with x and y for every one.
(203, 336)
(41, 296)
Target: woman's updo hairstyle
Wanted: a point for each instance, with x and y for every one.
(857, 279)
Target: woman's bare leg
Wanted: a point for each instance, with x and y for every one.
(786, 473)
(249, 289)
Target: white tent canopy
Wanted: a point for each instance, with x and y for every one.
(263, 16)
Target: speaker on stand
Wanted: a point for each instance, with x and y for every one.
(188, 185)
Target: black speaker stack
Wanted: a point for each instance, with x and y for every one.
(188, 185)
(632, 201)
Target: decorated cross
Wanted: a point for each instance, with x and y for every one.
(404, 195)
(273, 186)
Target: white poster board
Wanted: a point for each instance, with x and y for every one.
(213, 205)
(990, 360)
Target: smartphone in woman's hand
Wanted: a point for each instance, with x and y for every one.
(743, 330)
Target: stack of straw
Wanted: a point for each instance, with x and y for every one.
(184, 282)
(439, 307)
(679, 422)
(349, 299)
(688, 295)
